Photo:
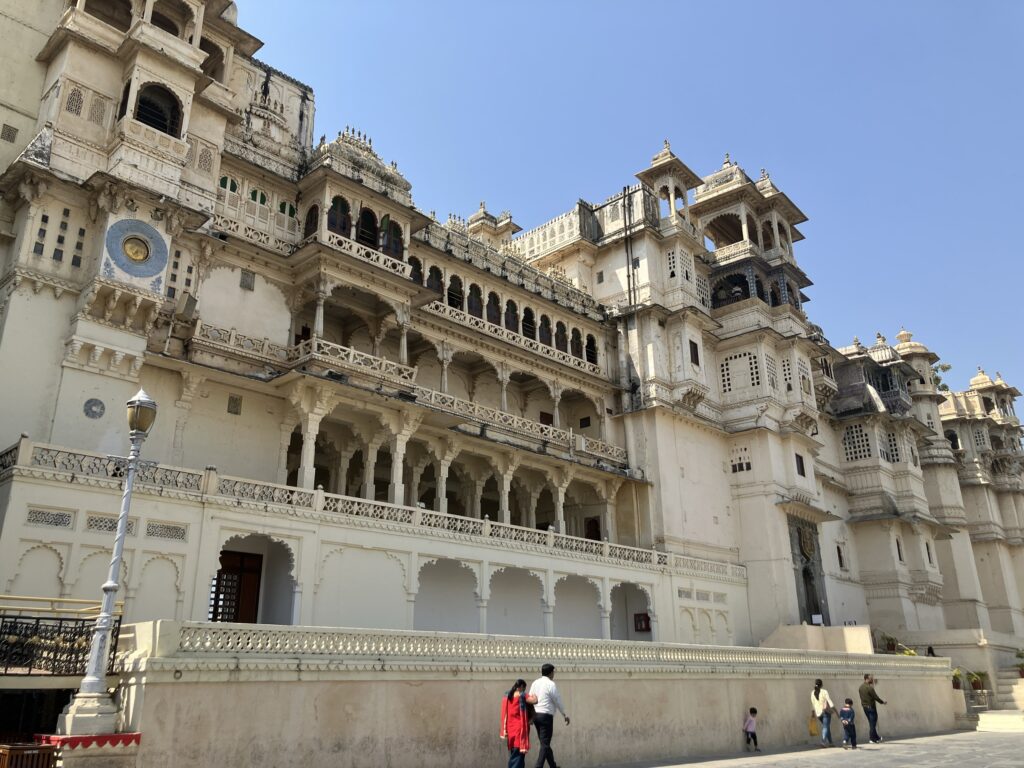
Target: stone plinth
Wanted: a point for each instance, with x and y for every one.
(108, 750)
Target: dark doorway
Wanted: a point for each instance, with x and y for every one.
(592, 528)
(24, 713)
(236, 590)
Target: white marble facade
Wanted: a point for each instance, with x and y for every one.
(621, 423)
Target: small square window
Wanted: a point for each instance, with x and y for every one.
(800, 469)
(81, 232)
(188, 269)
(188, 282)
(37, 249)
(174, 265)
(63, 226)
(67, 212)
(248, 280)
(694, 353)
(173, 278)
(636, 263)
(58, 254)
(546, 418)
(235, 405)
(600, 277)
(60, 239)
(41, 234)
(76, 260)
(171, 292)
(584, 422)
(45, 219)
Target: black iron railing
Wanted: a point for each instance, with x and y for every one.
(36, 645)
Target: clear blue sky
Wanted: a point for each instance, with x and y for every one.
(896, 126)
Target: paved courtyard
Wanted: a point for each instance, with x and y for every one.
(965, 750)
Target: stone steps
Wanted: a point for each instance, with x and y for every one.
(1001, 721)
(1009, 690)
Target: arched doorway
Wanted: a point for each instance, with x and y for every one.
(254, 583)
(631, 613)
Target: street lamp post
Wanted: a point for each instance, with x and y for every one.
(92, 711)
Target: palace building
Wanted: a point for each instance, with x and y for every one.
(620, 423)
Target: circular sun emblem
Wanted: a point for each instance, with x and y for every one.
(136, 249)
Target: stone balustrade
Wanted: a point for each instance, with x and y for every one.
(348, 358)
(351, 358)
(214, 640)
(735, 252)
(253, 234)
(513, 337)
(368, 255)
(60, 464)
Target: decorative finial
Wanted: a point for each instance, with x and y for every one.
(904, 335)
(764, 173)
(482, 206)
(856, 341)
(980, 369)
(727, 161)
(879, 338)
(667, 147)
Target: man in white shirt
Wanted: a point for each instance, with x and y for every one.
(545, 699)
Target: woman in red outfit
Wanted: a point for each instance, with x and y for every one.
(515, 724)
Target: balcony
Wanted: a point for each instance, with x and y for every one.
(512, 337)
(38, 462)
(896, 401)
(318, 353)
(734, 252)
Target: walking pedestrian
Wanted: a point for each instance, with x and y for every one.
(846, 717)
(750, 730)
(868, 699)
(823, 707)
(546, 699)
(515, 724)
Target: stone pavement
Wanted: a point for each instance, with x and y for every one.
(966, 749)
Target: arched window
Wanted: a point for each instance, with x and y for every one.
(312, 223)
(213, 65)
(591, 349)
(366, 229)
(730, 289)
(511, 316)
(416, 274)
(475, 301)
(167, 25)
(258, 196)
(116, 13)
(286, 208)
(561, 337)
(393, 244)
(339, 217)
(576, 343)
(544, 332)
(435, 280)
(529, 324)
(493, 309)
(158, 108)
(954, 440)
(455, 292)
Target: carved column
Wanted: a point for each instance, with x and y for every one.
(441, 502)
(606, 608)
(282, 461)
(344, 462)
(503, 378)
(504, 488)
(481, 605)
(446, 359)
(396, 490)
(310, 430)
(403, 344)
(369, 469)
(556, 397)
(318, 319)
(559, 496)
(477, 498)
(608, 522)
(531, 514)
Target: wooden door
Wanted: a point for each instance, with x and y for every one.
(236, 590)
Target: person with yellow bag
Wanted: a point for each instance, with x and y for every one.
(823, 708)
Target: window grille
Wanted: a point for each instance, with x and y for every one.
(704, 291)
(979, 438)
(8, 133)
(107, 524)
(893, 441)
(856, 444)
(235, 405)
(248, 280)
(98, 110)
(75, 101)
(670, 262)
(49, 517)
(787, 372)
(740, 461)
(772, 369)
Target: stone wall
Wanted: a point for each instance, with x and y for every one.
(302, 696)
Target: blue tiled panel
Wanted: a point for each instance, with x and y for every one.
(121, 230)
